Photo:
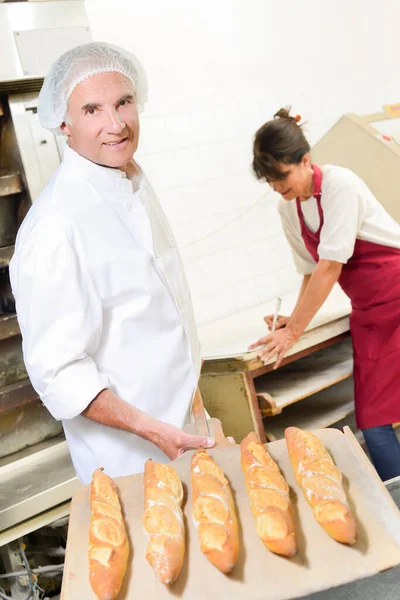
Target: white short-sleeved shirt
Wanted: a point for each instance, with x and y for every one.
(350, 210)
(102, 302)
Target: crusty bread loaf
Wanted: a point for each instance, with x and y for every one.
(321, 482)
(163, 520)
(108, 541)
(269, 497)
(214, 513)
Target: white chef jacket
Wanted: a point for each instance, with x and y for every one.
(102, 302)
(350, 210)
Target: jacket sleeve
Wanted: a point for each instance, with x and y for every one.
(60, 316)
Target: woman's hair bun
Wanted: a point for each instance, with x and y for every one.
(284, 113)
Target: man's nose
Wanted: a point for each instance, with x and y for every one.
(115, 122)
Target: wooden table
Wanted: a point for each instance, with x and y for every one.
(232, 383)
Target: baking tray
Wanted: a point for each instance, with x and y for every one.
(321, 562)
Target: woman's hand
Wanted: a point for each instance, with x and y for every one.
(275, 344)
(280, 322)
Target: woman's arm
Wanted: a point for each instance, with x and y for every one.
(306, 279)
(315, 292)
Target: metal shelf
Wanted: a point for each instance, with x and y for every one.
(35, 483)
(8, 327)
(304, 377)
(315, 412)
(11, 184)
(16, 394)
(6, 253)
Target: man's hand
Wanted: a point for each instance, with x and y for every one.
(174, 442)
(277, 343)
(107, 408)
(280, 322)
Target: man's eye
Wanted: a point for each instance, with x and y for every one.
(91, 111)
(124, 102)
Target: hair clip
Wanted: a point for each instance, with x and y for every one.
(297, 118)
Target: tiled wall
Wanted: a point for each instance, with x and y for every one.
(225, 222)
(217, 70)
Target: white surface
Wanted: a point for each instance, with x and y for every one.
(231, 336)
(38, 147)
(214, 78)
(39, 48)
(27, 16)
(389, 127)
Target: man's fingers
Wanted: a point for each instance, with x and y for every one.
(198, 441)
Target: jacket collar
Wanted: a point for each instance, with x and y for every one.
(102, 178)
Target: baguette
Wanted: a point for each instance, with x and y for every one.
(214, 513)
(108, 541)
(321, 482)
(269, 497)
(163, 521)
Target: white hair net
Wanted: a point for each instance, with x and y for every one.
(79, 63)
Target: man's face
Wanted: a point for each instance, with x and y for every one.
(103, 123)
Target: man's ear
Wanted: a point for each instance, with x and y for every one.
(65, 129)
(306, 160)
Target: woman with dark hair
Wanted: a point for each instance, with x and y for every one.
(339, 232)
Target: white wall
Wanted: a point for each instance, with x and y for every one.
(217, 70)
(66, 19)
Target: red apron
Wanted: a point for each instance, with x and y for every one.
(371, 279)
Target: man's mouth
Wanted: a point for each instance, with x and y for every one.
(116, 143)
(285, 192)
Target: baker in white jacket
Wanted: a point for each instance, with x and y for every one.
(109, 336)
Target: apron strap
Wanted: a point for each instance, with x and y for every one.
(317, 181)
(317, 195)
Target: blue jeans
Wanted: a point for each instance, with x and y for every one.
(384, 448)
